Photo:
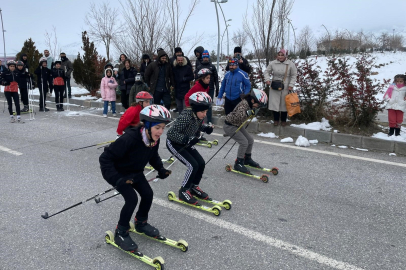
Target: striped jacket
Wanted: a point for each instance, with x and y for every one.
(235, 83)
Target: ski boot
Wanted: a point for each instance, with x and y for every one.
(198, 192)
(203, 139)
(239, 166)
(250, 162)
(123, 240)
(12, 119)
(391, 131)
(186, 196)
(397, 131)
(61, 108)
(142, 226)
(25, 109)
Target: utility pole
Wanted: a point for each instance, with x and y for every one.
(216, 2)
(329, 38)
(4, 40)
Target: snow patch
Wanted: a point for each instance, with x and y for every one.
(342, 146)
(254, 119)
(313, 141)
(384, 136)
(302, 141)
(323, 125)
(73, 114)
(360, 149)
(287, 140)
(392, 154)
(268, 135)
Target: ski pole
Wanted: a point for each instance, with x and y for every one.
(235, 141)
(46, 215)
(235, 132)
(92, 145)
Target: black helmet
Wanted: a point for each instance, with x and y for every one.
(20, 63)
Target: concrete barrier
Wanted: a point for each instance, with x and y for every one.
(378, 144)
(321, 136)
(346, 139)
(288, 131)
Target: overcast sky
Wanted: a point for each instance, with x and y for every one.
(31, 18)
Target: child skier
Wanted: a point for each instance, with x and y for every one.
(44, 82)
(59, 77)
(131, 117)
(23, 81)
(122, 165)
(10, 80)
(396, 96)
(138, 86)
(108, 91)
(248, 106)
(182, 136)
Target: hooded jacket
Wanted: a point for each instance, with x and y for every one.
(214, 78)
(108, 87)
(199, 49)
(24, 61)
(234, 84)
(152, 73)
(173, 58)
(144, 65)
(397, 99)
(127, 76)
(182, 75)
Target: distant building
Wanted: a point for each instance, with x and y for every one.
(341, 44)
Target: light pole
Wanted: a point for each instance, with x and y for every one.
(216, 2)
(4, 41)
(225, 23)
(222, 36)
(329, 38)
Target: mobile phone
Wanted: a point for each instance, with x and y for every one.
(238, 56)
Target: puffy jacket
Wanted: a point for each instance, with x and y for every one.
(67, 66)
(397, 101)
(9, 76)
(108, 88)
(23, 79)
(152, 73)
(185, 126)
(235, 83)
(127, 76)
(214, 78)
(58, 72)
(131, 117)
(198, 87)
(173, 58)
(182, 76)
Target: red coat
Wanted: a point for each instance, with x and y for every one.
(196, 88)
(131, 117)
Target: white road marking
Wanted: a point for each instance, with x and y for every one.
(325, 152)
(296, 250)
(8, 150)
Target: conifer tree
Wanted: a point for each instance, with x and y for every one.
(33, 55)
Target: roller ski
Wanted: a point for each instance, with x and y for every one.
(207, 143)
(185, 197)
(181, 244)
(241, 169)
(250, 163)
(23, 112)
(169, 161)
(200, 195)
(122, 240)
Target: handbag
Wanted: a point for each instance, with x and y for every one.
(279, 85)
(292, 104)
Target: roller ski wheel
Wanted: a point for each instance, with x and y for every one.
(205, 144)
(216, 210)
(23, 112)
(157, 262)
(274, 170)
(149, 168)
(169, 160)
(264, 178)
(181, 244)
(226, 203)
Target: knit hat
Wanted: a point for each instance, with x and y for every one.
(237, 50)
(233, 62)
(285, 53)
(205, 54)
(178, 49)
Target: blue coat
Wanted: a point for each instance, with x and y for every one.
(235, 83)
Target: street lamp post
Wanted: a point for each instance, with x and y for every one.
(329, 38)
(222, 36)
(227, 25)
(4, 41)
(216, 2)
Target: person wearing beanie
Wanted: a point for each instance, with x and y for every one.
(180, 141)
(179, 52)
(9, 79)
(242, 62)
(126, 80)
(183, 75)
(284, 72)
(145, 61)
(67, 66)
(198, 53)
(159, 78)
(214, 79)
(138, 86)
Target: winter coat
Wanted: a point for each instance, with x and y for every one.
(2, 69)
(128, 156)
(44, 75)
(198, 87)
(10, 79)
(244, 66)
(234, 84)
(185, 126)
(144, 65)
(58, 72)
(108, 88)
(397, 100)
(67, 66)
(127, 79)
(214, 78)
(26, 66)
(182, 76)
(23, 79)
(131, 117)
(199, 59)
(238, 116)
(277, 69)
(137, 87)
(173, 58)
(152, 73)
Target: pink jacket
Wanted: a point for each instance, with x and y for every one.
(108, 88)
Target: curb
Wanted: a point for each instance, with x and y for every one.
(288, 131)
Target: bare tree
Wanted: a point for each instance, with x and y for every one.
(51, 42)
(306, 40)
(103, 24)
(240, 38)
(397, 42)
(384, 41)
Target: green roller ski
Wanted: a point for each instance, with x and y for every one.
(157, 262)
(274, 170)
(149, 168)
(208, 144)
(264, 178)
(21, 112)
(226, 203)
(169, 160)
(216, 210)
(181, 244)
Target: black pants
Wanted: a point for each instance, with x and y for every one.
(42, 95)
(210, 111)
(124, 98)
(143, 188)
(192, 159)
(24, 96)
(283, 116)
(165, 96)
(14, 96)
(59, 92)
(68, 89)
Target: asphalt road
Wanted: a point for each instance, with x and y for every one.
(327, 209)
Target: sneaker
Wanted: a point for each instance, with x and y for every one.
(186, 196)
(42, 110)
(114, 114)
(198, 192)
(105, 115)
(142, 226)
(12, 119)
(123, 240)
(250, 162)
(239, 166)
(19, 120)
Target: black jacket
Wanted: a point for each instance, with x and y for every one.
(58, 72)
(173, 58)
(9, 76)
(44, 75)
(185, 126)
(2, 69)
(23, 79)
(245, 66)
(199, 49)
(144, 65)
(26, 66)
(182, 76)
(214, 78)
(127, 156)
(152, 73)
(127, 76)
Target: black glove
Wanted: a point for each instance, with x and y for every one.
(207, 128)
(192, 140)
(163, 173)
(123, 181)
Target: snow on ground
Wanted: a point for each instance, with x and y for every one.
(302, 141)
(254, 119)
(313, 141)
(342, 146)
(384, 136)
(268, 135)
(323, 125)
(287, 140)
(74, 91)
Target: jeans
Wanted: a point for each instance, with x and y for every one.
(106, 107)
(180, 104)
(165, 96)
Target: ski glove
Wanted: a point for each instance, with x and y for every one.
(252, 112)
(163, 173)
(207, 128)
